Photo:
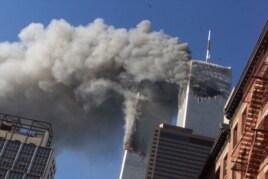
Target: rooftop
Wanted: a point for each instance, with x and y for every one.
(26, 126)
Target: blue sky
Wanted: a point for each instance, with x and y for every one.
(235, 25)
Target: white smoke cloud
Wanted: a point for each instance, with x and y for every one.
(79, 77)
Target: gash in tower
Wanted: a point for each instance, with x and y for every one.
(202, 101)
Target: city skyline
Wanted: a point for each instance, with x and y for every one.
(234, 33)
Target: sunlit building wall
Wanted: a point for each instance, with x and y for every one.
(202, 101)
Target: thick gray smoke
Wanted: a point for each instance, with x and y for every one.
(83, 79)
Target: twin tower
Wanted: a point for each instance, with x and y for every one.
(200, 108)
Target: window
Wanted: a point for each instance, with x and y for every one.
(15, 175)
(244, 119)
(225, 166)
(233, 175)
(40, 161)
(235, 136)
(24, 158)
(9, 154)
(2, 173)
(218, 173)
(31, 177)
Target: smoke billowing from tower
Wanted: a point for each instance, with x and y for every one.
(83, 79)
(132, 115)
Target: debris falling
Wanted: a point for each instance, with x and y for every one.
(83, 79)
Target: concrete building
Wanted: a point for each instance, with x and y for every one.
(202, 101)
(177, 153)
(244, 153)
(25, 151)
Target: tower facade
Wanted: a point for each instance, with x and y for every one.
(25, 148)
(202, 101)
(149, 114)
(135, 157)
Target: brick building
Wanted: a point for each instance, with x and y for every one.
(241, 150)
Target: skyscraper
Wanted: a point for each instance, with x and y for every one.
(147, 114)
(202, 101)
(177, 153)
(135, 157)
(201, 105)
(25, 151)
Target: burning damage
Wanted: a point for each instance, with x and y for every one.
(129, 143)
(156, 104)
(209, 80)
(84, 80)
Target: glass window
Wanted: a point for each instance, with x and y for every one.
(218, 173)
(233, 175)
(40, 161)
(31, 177)
(25, 157)
(225, 166)
(9, 154)
(15, 175)
(244, 119)
(235, 136)
(2, 173)
(2, 142)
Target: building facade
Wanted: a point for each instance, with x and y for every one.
(148, 116)
(25, 151)
(135, 157)
(177, 153)
(202, 101)
(244, 153)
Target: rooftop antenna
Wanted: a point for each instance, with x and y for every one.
(208, 48)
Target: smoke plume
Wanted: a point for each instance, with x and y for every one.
(84, 79)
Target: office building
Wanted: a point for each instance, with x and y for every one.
(244, 153)
(25, 151)
(202, 101)
(177, 153)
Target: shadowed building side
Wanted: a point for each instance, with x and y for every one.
(177, 153)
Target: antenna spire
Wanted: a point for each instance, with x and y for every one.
(208, 48)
